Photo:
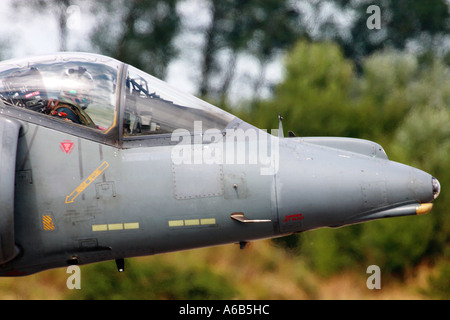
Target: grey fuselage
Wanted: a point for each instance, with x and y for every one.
(80, 201)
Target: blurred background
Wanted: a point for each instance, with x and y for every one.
(318, 64)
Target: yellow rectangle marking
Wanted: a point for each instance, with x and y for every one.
(115, 226)
(208, 221)
(99, 227)
(176, 223)
(191, 222)
(131, 225)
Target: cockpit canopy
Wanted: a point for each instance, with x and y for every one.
(80, 88)
(152, 107)
(98, 92)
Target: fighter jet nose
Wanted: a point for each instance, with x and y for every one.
(436, 187)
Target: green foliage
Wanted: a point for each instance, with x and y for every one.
(396, 244)
(316, 91)
(392, 244)
(439, 284)
(331, 250)
(151, 280)
(322, 94)
(386, 80)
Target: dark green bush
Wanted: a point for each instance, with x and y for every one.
(151, 280)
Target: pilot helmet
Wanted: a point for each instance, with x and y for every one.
(77, 84)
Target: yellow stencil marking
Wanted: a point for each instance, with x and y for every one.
(47, 223)
(131, 225)
(192, 222)
(176, 223)
(94, 175)
(115, 226)
(208, 221)
(100, 227)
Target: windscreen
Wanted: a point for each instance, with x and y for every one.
(154, 107)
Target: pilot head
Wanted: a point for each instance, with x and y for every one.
(77, 84)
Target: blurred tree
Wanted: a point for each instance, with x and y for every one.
(255, 27)
(137, 32)
(315, 96)
(383, 91)
(396, 244)
(321, 93)
(329, 251)
(151, 280)
(439, 284)
(426, 23)
(264, 28)
(55, 8)
(276, 29)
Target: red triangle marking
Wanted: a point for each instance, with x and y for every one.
(67, 146)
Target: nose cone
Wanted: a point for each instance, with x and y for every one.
(421, 186)
(436, 187)
(317, 187)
